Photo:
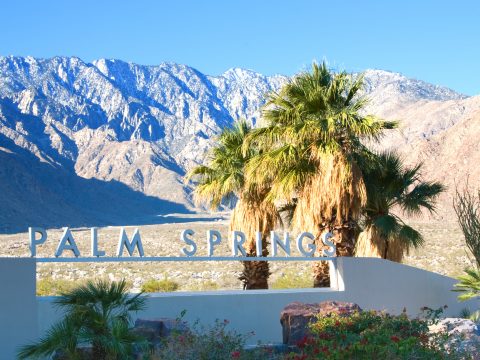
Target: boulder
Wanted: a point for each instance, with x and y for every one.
(464, 335)
(455, 326)
(296, 317)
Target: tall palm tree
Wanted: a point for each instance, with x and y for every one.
(97, 313)
(224, 178)
(393, 186)
(311, 146)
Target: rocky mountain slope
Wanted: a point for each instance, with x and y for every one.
(107, 141)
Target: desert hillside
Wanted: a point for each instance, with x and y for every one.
(108, 142)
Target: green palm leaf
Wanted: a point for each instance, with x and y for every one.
(97, 313)
(469, 284)
(391, 187)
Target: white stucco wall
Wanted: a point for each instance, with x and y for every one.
(371, 283)
(18, 305)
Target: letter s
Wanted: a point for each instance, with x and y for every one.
(184, 237)
(326, 241)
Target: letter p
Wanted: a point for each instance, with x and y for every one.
(32, 231)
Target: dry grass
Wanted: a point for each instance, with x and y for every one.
(444, 251)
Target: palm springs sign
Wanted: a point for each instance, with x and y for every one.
(304, 243)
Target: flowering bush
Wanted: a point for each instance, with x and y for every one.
(372, 335)
(208, 343)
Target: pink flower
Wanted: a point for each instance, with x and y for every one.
(235, 354)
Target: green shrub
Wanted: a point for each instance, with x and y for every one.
(372, 335)
(164, 285)
(292, 280)
(50, 287)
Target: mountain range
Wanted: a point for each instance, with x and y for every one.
(108, 142)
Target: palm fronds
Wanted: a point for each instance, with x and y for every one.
(392, 185)
(469, 284)
(97, 313)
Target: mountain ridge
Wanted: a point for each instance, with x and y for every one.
(144, 126)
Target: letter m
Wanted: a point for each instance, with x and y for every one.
(124, 242)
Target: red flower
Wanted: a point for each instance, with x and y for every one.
(235, 354)
(302, 342)
(324, 336)
(395, 338)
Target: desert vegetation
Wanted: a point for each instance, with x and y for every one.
(97, 315)
(467, 208)
(163, 285)
(97, 325)
(378, 335)
(310, 160)
(392, 186)
(224, 178)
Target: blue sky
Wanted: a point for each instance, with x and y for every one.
(436, 41)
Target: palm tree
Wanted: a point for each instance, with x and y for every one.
(97, 313)
(391, 185)
(311, 146)
(223, 178)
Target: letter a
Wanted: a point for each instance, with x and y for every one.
(67, 237)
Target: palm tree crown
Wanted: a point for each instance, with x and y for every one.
(391, 185)
(224, 178)
(97, 313)
(313, 122)
(310, 148)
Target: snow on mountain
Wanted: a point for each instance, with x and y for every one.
(144, 126)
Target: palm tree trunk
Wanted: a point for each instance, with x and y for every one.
(255, 274)
(321, 274)
(344, 238)
(98, 352)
